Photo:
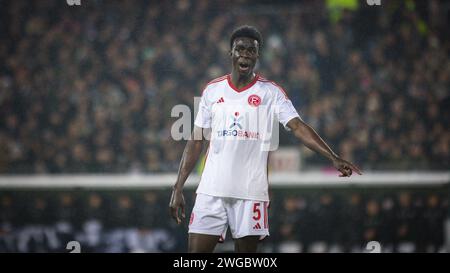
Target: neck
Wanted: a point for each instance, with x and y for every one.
(241, 81)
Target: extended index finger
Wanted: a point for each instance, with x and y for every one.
(356, 169)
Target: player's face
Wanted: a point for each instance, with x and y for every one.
(244, 55)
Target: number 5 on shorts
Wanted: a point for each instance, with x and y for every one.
(256, 211)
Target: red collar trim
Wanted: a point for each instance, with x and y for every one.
(230, 83)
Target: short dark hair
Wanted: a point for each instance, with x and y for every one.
(249, 32)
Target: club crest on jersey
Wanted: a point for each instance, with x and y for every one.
(254, 100)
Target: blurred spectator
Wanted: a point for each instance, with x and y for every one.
(92, 228)
(388, 218)
(7, 224)
(121, 235)
(372, 222)
(324, 213)
(65, 218)
(351, 217)
(153, 235)
(434, 215)
(289, 225)
(407, 223)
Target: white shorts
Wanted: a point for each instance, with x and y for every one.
(212, 215)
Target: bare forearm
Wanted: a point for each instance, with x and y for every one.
(189, 159)
(312, 140)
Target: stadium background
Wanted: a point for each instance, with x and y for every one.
(88, 90)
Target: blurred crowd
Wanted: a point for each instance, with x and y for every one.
(300, 221)
(100, 222)
(402, 222)
(90, 88)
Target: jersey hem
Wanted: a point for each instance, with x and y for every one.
(235, 196)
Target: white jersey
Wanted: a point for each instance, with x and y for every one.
(242, 123)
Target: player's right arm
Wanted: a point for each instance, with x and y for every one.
(191, 154)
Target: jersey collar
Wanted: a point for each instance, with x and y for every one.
(230, 83)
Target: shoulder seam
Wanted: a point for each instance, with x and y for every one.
(216, 80)
(276, 85)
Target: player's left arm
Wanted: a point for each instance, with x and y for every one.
(312, 140)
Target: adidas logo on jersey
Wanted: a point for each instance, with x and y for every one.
(257, 226)
(220, 100)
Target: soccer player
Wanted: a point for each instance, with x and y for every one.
(233, 191)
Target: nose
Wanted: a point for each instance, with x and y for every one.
(245, 53)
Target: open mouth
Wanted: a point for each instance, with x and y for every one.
(244, 66)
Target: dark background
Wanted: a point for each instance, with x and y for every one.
(89, 89)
